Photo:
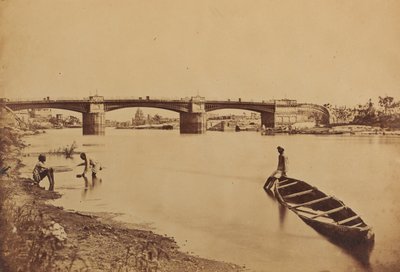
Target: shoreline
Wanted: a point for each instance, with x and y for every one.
(38, 236)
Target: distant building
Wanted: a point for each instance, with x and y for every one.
(289, 112)
(72, 121)
(126, 124)
(41, 113)
(111, 123)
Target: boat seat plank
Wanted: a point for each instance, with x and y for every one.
(356, 225)
(282, 181)
(348, 219)
(365, 228)
(305, 211)
(329, 212)
(312, 201)
(299, 193)
(287, 185)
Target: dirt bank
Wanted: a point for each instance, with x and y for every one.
(36, 236)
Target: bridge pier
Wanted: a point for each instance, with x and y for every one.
(268, 119)
(93, 121)
(192, 123)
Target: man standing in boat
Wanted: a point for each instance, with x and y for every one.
(279, 172)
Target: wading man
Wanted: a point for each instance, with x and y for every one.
(90, 165)
(41, 171)
(279, 172)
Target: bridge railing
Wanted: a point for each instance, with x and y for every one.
(314, 106)
(142, 98)
(46, 99)
(118, 98)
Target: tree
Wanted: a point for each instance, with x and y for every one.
(139, 118)
(328, 106)
(72, 120)
(157, 119)
(342, 114)
(339, 114)
(365, 114)
(387, 102)
(53, 120)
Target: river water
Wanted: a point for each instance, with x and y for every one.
(206, 191)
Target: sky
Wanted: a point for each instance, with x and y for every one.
(338, 52)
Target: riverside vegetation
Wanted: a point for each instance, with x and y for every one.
(384, 114)
(68, 151)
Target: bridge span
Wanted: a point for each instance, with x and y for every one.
(192, 111)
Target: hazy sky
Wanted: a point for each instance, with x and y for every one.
(342, 52)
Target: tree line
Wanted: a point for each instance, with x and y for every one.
(385, 114)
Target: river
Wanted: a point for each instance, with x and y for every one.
(206, 191)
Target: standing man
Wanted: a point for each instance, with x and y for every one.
(279, 172)
(41, 171)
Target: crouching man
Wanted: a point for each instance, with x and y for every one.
(41, 171)
(281, 171)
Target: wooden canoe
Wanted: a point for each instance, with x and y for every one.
(326, 214)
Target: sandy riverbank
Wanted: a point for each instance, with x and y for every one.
(37, 236)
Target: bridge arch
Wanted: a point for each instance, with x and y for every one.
(178, 106)
(163, 107)
(314, 111)
(255, 107)
(129, 114)
(267, 115)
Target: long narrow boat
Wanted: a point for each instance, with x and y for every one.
(326, 214)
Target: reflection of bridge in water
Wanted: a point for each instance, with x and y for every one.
(192, 111)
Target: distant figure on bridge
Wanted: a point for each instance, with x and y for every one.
(90, 165)
(279, 172)
(41, 171)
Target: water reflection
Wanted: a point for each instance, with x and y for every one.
(281, 209)
(95, 182)
(360, 251)
(282, 215)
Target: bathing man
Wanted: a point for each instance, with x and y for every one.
(279, 172)
(41, 171)
(89, 164)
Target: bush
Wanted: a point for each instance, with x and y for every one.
(67, 151)
(9, 139)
